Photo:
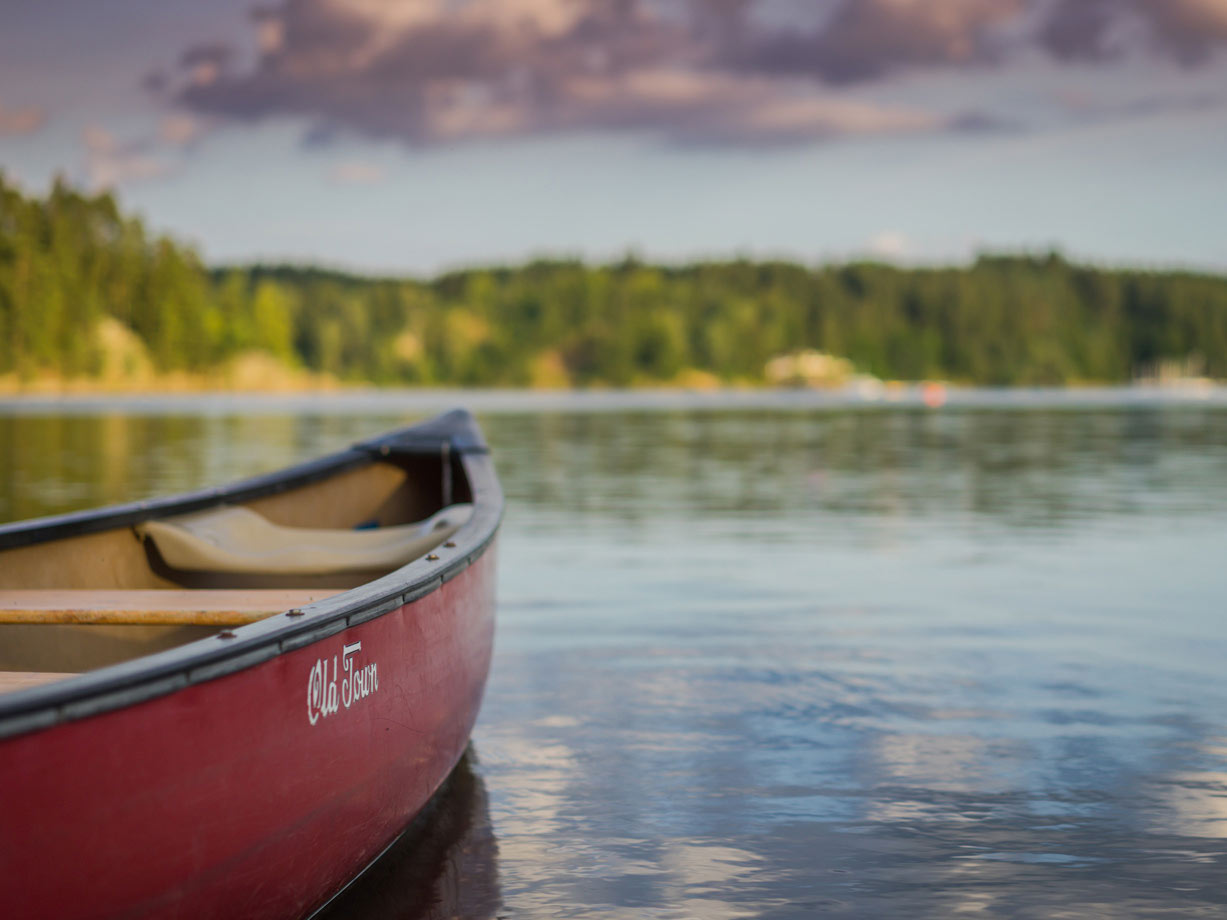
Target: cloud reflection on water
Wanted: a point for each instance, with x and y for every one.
(949, 680)
(844, 663)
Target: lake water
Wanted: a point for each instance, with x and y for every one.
(789, 658)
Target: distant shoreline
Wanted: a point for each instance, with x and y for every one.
(424, 400)
(93, 302)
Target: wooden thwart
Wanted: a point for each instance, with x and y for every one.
(152, 607)
(11, 681)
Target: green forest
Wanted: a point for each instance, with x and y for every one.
(88, 292)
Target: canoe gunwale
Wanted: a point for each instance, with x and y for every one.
(454, 437)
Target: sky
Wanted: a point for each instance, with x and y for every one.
(411, 136)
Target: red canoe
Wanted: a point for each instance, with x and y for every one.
(154, 766)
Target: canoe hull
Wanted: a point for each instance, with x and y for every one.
(255, 794)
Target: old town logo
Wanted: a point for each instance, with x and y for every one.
(330, 689)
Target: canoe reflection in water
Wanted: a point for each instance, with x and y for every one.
(445, 865)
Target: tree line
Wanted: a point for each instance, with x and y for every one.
(71, 262)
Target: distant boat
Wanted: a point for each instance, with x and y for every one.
(227, 704)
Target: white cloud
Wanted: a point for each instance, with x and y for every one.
(892, 246)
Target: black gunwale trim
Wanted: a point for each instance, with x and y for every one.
(161, 673)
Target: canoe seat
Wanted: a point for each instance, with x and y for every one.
(237, 540)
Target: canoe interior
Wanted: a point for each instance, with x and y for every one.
(85, 601)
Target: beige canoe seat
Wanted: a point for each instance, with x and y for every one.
(237, 540)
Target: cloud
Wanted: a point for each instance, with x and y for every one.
(867, 39)
(152, 154)
(20, 121)
(110, 162)
(1190, 29)
(691, 71)
(1185, 30)
(891, 246)
(356, 172)
(431, 71)
(205, 64)
(179, 130)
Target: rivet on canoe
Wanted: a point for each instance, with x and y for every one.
(294, 613)
(433, 557)
(226, 634)
(450, 544)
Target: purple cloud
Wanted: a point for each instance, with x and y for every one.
(703, 71)
(15, 122)
(1189, 29)
(1185, 30)
(867, 39)
(429, 71)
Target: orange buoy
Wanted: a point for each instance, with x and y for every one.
(933, 394)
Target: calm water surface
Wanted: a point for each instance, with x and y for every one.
(790, 662)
